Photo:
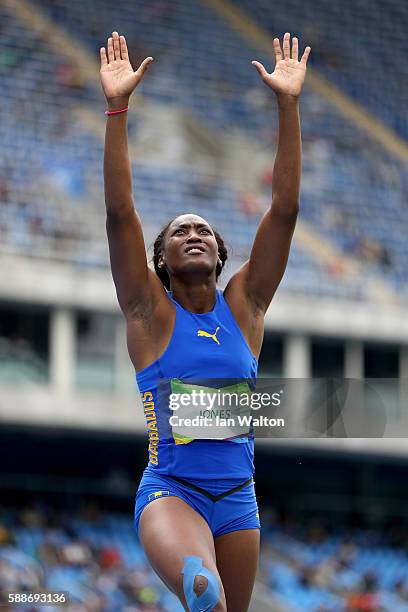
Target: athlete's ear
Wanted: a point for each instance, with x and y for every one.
(219, 262)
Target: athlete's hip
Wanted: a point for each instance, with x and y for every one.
(226, 505)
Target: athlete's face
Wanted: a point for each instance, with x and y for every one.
(190, 246)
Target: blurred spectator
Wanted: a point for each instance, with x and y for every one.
(401, 590)
(347, 553)
(76, 553)
(369, 250)
(48, 553)
(110, 558)
(5, 536)
(69, 77)
(307, 576)
(336, 268)
(249, 204)
(266, 177)
(4, 190)
(204, 187)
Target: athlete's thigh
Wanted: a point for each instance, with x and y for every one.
(170, 530)
(237, 556)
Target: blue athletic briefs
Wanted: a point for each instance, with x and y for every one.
(202, 346)
(237, 510)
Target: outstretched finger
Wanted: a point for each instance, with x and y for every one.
(277, 49)
(260, 68)
(295, 48)
(123, 48)
(116, 45)
(286, 46)
(305, 55)
(144, 65)
(111, 55)
(104, 59)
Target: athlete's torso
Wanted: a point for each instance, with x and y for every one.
(202, 346)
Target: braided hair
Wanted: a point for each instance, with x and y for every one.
(158, 247)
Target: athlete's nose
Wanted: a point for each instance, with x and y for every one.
(193, 237)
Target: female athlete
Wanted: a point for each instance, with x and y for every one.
(196, 512)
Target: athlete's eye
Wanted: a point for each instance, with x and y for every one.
(204, 229)
(179, 230)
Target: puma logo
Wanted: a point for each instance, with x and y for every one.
(201, 332)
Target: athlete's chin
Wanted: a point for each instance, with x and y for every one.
(198, 268)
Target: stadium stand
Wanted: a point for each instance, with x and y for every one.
(315, 570)
(352, 192)
(94, 555)
(344, 53)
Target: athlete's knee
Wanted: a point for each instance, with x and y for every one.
(201, 587)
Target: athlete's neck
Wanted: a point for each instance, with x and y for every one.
(198, 298)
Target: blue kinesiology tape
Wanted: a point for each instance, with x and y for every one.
(193, 566)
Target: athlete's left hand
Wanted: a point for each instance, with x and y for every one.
(289, 74)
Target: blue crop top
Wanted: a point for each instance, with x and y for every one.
(202, 346)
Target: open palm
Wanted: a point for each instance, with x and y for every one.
(118, 78)
(289, 74)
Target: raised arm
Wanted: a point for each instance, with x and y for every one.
(260, 276)
(132, 277)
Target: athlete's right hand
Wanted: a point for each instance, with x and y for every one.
(118, 78)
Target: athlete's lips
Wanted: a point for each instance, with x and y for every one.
(195, 249)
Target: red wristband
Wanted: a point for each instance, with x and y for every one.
(122, 110)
